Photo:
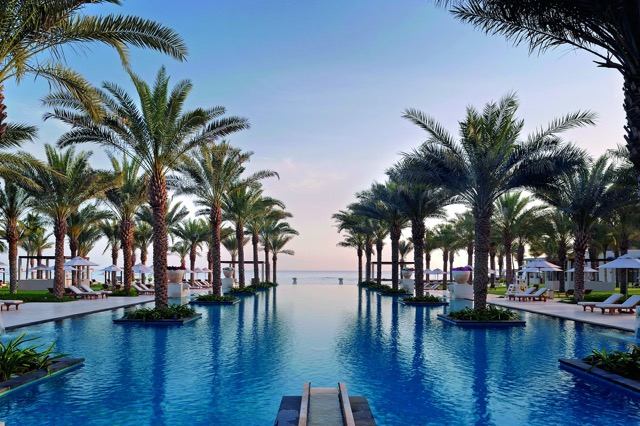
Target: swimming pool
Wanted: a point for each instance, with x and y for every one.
(232, 366)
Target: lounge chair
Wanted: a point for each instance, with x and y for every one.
(541, 294)
(527, 292)
(75, 291)
(102, 293)
(431, 287)
(628, 306)
(511, 289)
(9, 303)
(609, 300)
(144, 287)
(142, 290)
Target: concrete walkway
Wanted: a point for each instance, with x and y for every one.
(568, 311)
(39, 312)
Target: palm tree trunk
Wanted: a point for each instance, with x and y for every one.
(267, 264)
(256, 269)
(379, 262)
(368, 251)
(126, 241)
(114, 261)
(631, 90)
(143, 260)
(520, 255)
(39, 254)
(562, 259)
(59, 232)
(417, 234)
(215, 219)
(193, 253)
(480, 270)
(445, 262)
(452, 254)
(427, 262)
(12, 241)
(470, 260)
(492, 264)
(240, 240)
(579, 247)
(73, 251)
(158, 202)
(3, 112)
(500, 265)
(507, 255)
(359, 254)
(275, 267)
(395, 235)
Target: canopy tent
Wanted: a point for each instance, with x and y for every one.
(111, 268)
(541, 263)
(586, 269)
(79, 261)
(141, 269)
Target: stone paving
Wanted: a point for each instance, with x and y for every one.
(38, 312)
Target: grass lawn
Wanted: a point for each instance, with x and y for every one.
(33, 296)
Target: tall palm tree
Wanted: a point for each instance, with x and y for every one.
(489, 160)
(36, 237)
(192, 232)
(357, 242)
(88, 238)
(272, 228)
(512, 210)
(158, 135)
(239, 208)
(182, 249)
(404, 248)
(608, 30)
(447, 241)
(142, 238)
(353, 224)
(429, 245)
(124, 201)
(14, 202)
(265, 211)
(556, 238)
(33, 35)
(380, 203)
(230, 243)
(464, 225)
(62, 187)
(585, 196)
(111, 231)
(176, 213)
(209, 173)
(278, 243)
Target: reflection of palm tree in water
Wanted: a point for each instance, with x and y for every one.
(158, 374)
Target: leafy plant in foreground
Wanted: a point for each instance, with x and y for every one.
(17, 357)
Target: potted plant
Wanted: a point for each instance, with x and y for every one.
(175, 274)
(407, 273)
(228, 272)
(461, 274)
(461, 289)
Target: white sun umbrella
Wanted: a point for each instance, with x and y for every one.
(586, 269)
(541, 263)
(141, 269)
(66, 268)
(79, 261)
(623, 262)
(111, 268)
(40, 267)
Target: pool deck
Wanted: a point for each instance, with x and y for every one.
(39, 312)
(625, 322)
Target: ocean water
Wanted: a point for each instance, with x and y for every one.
(232, 366)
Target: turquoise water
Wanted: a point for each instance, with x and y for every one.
(232, 366)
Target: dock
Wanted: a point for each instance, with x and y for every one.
(324, 407)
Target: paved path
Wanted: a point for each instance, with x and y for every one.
(38, 312)
(569, 311)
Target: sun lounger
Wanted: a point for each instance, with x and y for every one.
(142, 290)
(609, 300)
(75, 291)
(9, 303)
(144, 287)
(431, 287)
(511, 289)
(102, 293)
(541, 294)
(527, 292)
(628, 306)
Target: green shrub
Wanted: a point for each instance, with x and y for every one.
(490, 313)
(169, 312)
(245, 290)
(387, 290)
(427, 298)
(34, 296)
(593, 297)
(626, 364)
(367, 284)
(123, 293)
(263, 284)
(215, 298)
(17, 359)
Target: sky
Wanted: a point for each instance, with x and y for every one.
(324, 84)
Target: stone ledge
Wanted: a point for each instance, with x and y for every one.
(481, 324)
(214, 302)
(58, 366)
(427, 304)
(588, 370)
(162, 322)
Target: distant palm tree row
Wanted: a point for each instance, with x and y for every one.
(164, 148)
(574, 199)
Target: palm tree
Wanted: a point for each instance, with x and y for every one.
(429, 245)
(356, 241)
(182, 249)
(271, 229)
(489, 160)
(512, 211)
(404, 248)
(265, 211)
(606, 29)
(556, 238)
(209, 173)
(239, 208)
(87, 239)
(380, 203)
(351, 223)
(111, 231)
(176, 213)
(14, 202)
(124, 201)
(62, 187)
(158, 136)
(77, 222)
(142, 238)
(464, 225)
(277, 244)
(31, 29)
(446, 240)
(193, 233)
(585, 196)
(36, 237)
(230, 243)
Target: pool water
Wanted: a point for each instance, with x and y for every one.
(232, 366)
